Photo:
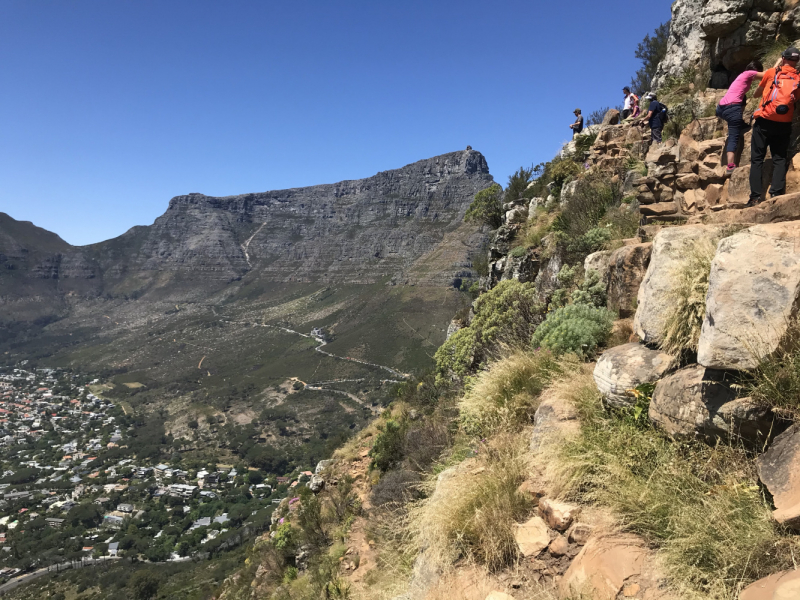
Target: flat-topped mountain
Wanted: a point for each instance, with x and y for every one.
(359, 231)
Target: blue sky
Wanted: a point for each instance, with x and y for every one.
(110, 108)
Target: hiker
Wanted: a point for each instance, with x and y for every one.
(657, 116)
(577, 126)
(731, 108)
(773, 123)
(631, 106)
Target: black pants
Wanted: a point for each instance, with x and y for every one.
(655, 134)
(775, 136)
(626, 113)
(732, 113)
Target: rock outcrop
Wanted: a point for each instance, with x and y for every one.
(620, 369)
(669, 249)
(753, 292)
(699, 402)
(778, 586)
(779, 470)
(626, 270)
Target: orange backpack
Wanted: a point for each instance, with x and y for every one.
(777, 103)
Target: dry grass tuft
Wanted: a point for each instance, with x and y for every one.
(688, 299)
(506, 395)
(475, 505)
(701, 505)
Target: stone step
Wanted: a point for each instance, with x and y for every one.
(782, 208)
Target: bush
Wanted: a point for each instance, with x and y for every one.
(487, 207)
(387, 450)
(473, 512)
(687, 299)
(587, 206)
(518, 183)
(507, 394)
(584, 143)
(575, 328)
(701, 505)
(593, 240)
(507, 314)
(396, 487)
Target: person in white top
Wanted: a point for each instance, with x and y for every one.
(627, 108)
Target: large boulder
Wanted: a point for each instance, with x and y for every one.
(668, 253)
(699, 402)
(752, 296)
(603, 567)
(624, 367)
(779, 470)
(626, 269)
(784, 585)
(599, 261)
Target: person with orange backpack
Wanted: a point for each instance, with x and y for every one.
(773, 123)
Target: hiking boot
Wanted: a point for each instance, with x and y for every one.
(752, 202)
(730, 169)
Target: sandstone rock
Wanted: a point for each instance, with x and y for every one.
(713, 194)
(778, 586)
(532, 537)
(753, 292)
(622, 368)
(316, 484)
(686, 182)
(499, 596)
(322, 465)
(669, 247)
(686, 44)
(559, 546)
(558, 515)
(567, 191)
(658, 209)
(663, 154)
(600, 262)
(779, 470)
(603, 566)
(579, 533)
(554, 420)
(696, 401)
(625, 272)
(782, 208)
(611, 117)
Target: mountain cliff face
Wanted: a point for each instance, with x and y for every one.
(355, 232)
(724, 35)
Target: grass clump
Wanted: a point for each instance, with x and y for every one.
(700, 504)
(474, 509)
(575, 328)
(506, 395)
(681, 330)
(775, 382)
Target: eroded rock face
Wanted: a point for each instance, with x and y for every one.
(622, 368)
(699, 402)
(686, 45)
(626, 270)
(779, 470)
(778, 586)
(668, 252)
(753, 292)
(603, 566)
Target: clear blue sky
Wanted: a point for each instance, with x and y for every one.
(108, 108)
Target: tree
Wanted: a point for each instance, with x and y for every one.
(651, 51)
(144, 585)
(487, 207)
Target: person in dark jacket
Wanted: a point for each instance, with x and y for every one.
(577, 126)
(655, 116)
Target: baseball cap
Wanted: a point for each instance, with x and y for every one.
(791, 53)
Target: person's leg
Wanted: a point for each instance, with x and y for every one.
(626, 113)
(779, 147)
(732, 114)
(758, 150)
(655, 134)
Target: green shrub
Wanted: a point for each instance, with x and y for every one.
(687, 299)
(575, 328)
(507, 314)
(586, 207)
(387, 450)
(518, 252)
(518, 183)
(487, 207)
(584, 143)
(591, 292)
(593, 240)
